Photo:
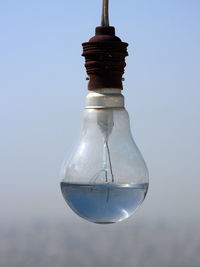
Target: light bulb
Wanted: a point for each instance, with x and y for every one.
(106, 179)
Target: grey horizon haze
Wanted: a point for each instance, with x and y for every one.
(43, 91)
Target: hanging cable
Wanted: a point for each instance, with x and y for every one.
(105, 13)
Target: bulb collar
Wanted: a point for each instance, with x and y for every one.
(104, 98)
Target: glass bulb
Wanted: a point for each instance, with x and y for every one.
(106, 179)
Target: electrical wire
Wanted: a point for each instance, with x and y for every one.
(105, 13)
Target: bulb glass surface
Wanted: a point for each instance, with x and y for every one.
(106, 178)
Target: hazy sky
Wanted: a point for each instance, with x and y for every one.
(43, 88)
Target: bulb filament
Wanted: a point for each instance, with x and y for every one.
(107, 165)
(109, 159)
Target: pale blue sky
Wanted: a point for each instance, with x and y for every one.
(43, 90)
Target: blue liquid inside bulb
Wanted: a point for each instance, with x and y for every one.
(104, 203)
